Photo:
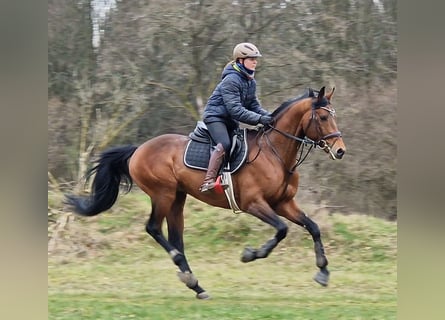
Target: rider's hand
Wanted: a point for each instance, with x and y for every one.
(266, 120)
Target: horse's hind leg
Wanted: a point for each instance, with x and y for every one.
(175, 222)
(173, 212)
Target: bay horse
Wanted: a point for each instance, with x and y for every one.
(265, 186)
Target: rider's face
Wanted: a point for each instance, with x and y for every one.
(250, 63)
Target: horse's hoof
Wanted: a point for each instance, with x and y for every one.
(322, 278)
(203, 296)
(248, 255)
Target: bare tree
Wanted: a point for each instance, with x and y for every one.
(158, 62)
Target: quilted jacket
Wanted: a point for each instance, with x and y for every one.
(234, 100)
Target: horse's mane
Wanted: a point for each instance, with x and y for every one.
(309, 92)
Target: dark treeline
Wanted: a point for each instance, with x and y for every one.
(157, 62)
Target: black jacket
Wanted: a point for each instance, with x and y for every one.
(234, 100)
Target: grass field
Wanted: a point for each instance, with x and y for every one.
(107, 267)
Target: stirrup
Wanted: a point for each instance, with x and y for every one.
(214, 185)
(207, 186)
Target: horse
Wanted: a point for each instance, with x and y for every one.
(265, 186)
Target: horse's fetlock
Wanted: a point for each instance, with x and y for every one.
(320, 257)
(321, 261)
(262, 253)
(188, 278)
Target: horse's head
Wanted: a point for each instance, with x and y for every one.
(320, 126)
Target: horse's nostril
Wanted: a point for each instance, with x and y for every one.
(340, 152)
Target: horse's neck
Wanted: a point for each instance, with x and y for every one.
(290, 123)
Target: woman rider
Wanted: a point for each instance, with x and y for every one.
(234, 100)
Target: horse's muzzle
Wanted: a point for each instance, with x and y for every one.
(334, 153)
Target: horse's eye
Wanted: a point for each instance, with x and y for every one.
(323, 118)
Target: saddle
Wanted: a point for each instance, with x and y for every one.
(199, 148)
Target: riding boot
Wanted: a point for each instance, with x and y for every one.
(216, 159)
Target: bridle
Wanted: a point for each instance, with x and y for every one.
(305, 141)
(321, 143)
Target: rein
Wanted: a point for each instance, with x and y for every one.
(305, 142)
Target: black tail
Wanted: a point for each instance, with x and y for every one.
(112, 168)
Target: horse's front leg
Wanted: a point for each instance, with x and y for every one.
(322, 276)
(266, 214)
(290, 211)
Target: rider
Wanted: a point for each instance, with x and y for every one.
(234, 100)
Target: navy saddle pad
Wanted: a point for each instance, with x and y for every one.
(197, 152)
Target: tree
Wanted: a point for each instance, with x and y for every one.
(158, 62)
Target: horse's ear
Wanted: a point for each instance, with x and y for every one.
(321, 94)
(330, 94)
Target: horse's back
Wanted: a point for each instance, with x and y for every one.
(157, 158)
(161, 147)
(168, 138)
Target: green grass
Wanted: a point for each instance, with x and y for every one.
(106, 267)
